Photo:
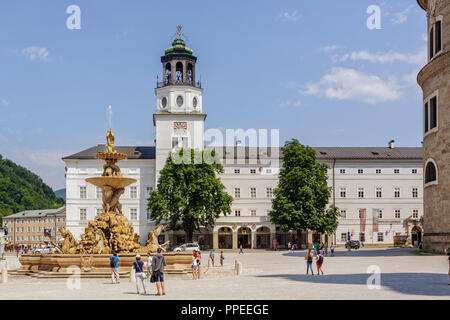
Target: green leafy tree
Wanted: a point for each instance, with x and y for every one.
(20, 189)
(189, 195)
(302, 195)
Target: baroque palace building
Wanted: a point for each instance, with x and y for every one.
(434, 80)
(379, 190)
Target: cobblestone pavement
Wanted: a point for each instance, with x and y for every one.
(274, 275)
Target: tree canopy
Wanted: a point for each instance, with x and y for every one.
(20, 190)
(189, 196)
(301, 199)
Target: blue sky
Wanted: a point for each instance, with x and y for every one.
(309, 68)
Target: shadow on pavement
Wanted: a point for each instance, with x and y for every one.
(429, 284)
(369, 252)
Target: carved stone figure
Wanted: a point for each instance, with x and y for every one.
(87, 263)
(69, 245)
(152, 244)
(110, 142)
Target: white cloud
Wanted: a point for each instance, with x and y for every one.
(329, 48)
(291, 103)
(4, 102)
(418, 58)
(36, 53)
(402, 16)
(294, 16)
(349, 84)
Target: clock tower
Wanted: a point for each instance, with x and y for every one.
(178, 119)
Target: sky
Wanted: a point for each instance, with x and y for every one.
(312, 69)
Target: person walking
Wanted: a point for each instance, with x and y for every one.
(332, 249)
(292, 247)
(309, 260)
(114, 264)
(326, 250)
(158, 264)
(289, 247)
(241, 249)
(222, 257)
(194, 265)
(138, 266)
(211, 256)
(319, 262)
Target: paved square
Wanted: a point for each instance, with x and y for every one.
(273, 275)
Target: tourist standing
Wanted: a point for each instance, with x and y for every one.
(241, 249)
(158, 264)
(149, 265)
(326, 250)
(319, 262)
(309, 261)
(222, 257)
(138, 266)
(194, 265)
(211, 256)
(289, 247)
(114, 264)
(332, 249)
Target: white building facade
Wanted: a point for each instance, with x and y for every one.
(376, 189)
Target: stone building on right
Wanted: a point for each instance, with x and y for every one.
(434, 79)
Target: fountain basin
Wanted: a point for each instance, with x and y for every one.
(114, 181)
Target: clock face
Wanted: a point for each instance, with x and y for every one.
(195, 102)
(164, 102)
(179, 101)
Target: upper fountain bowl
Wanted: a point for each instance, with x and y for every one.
(111, 155)
(113, 181)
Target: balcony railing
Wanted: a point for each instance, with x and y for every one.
(160, 84)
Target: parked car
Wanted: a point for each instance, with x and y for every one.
(187, 247)
(353, 244)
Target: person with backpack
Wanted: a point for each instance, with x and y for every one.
(138, 266)
(114, 264)
(319, 262)
(309, 260)
(158, 264)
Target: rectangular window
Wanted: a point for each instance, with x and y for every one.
(362, 237)
(268, 170)
(425, 118)
(83, 214)
(414, 171)
(380, 214)
(360, 192)
(133, 214)
(396, 192)
(343, 237)
(396, 171)
(252, 171)
(237, 213)
(343, 213)
(83, 193)
(397, 214)
(98, 192)
(433, 113)
(378, 192)
(185, 142)
(377, 171)
(253, 192)
(269, 192)
(237, 192)
(360, 171)
(149, 213)
(415, 214)
(133, 192)
(438, 33)
(342, 171)
(99, 211)
(343, 192)
(415, 192)
(380, 237)
(253, 213)
(237, 171)
(174, 142)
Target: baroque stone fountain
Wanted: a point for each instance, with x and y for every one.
(109, 232)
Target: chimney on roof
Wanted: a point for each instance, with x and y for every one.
(391, 144)
(238, 143)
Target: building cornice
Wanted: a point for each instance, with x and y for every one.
(170, 114)
(438, 64)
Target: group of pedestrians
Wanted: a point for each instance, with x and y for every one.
(318, 254)
(197, 259)
(155, 271)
